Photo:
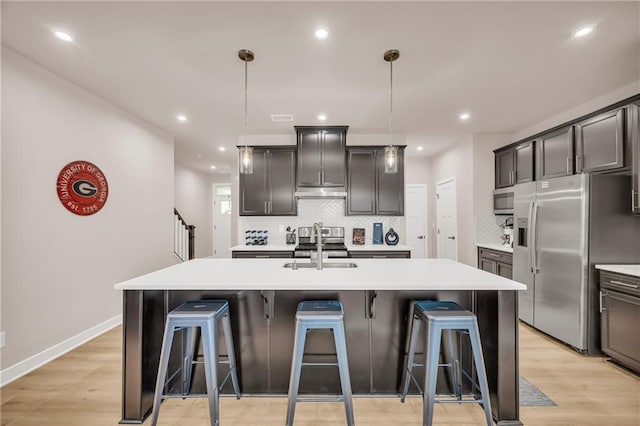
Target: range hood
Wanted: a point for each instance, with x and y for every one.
(337, 192)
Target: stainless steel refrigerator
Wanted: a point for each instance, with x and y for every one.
(562, 228)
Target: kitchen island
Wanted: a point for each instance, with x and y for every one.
(263, 296)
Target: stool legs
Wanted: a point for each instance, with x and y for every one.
(228, 339)
(210, 352)
(167, 340)
(341, 351)
(296, 369)
(189, 346)
(474, 335)
(454, 372)
(432, 355)
(413, 342)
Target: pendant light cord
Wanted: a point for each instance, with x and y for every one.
(246, 116)
(390, 102)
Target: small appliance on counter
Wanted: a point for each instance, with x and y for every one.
(391, 237)
(507, 236)
(377, 233)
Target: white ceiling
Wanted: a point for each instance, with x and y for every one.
(510, 64)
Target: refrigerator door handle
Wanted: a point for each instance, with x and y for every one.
(534, 234)
(529, 232)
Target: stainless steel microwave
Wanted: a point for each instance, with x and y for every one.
(503, 200)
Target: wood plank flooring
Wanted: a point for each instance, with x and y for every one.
(83, 387)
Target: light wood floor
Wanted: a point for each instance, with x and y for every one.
(83, 387)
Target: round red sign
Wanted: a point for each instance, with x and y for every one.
(82, 188)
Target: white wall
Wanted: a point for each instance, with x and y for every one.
(58, 269)
(194, 202)
(456, 161)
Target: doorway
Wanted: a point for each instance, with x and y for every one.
(416, 219)
(221, 220)
(447, 221)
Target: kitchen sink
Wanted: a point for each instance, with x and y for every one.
(324, 265)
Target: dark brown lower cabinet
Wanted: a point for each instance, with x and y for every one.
(258, 254)
(620, 315)
(386, 254)
(495, 261)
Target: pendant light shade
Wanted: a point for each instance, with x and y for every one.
(391, 152)
(246, 152)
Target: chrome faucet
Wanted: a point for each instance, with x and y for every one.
(317, 232)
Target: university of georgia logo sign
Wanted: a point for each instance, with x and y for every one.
(82, 188)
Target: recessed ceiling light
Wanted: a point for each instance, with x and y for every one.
(465, 116)
(583, 31)
(321, 33)
(420, 148)
(63, 36)
(181, 117)
(222, 149)
(213, 167)
(199, 155)
(322, 117)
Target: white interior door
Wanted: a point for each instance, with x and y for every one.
(221, 220)
(447, 223)
(416, 219)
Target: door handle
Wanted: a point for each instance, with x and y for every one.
(534, 240)
(452, 238)
(602, 307)
(421, 237)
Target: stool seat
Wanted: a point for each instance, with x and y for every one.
(310, 315)
(203, 314)
(439, 317)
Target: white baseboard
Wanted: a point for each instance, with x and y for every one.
(18, 370)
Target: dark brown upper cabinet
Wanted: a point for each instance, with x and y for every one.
(633, 126)
(505, 167)
(514, 164)
(270, 189)
(554, 153)
(524, 155)
(371, 191)
(600, 142)
(321, 156)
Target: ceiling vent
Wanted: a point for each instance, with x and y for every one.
(277, 118)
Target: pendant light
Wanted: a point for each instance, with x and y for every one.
(391, 152)
(246, 152)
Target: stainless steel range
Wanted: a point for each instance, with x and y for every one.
(332, 242)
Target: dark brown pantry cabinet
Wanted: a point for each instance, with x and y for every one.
(600, 142)
(270, 189)
(321, 156)
(554, 154)
(371, 191)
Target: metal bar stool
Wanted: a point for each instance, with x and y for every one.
(326, 314)
(204, 314)
(450, 317)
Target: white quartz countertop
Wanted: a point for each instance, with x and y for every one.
(269, 274)
(378, 247)
(496, 246)
(633, 270)
(268, 247)
(350, 247)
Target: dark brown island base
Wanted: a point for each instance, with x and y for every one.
(377, 300)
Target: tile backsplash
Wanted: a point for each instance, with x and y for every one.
(331, 212)
(488, 228)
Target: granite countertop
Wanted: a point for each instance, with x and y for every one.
(633, 270)
(496, 246)
(261, 274)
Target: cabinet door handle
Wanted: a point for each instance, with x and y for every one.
(602, 296)
(268, 297)
(320, 177)
(623, 284)
(379, 257)
(370, 304)
(568, 165)
(493, 254)
(578, 163)
(635, 200)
